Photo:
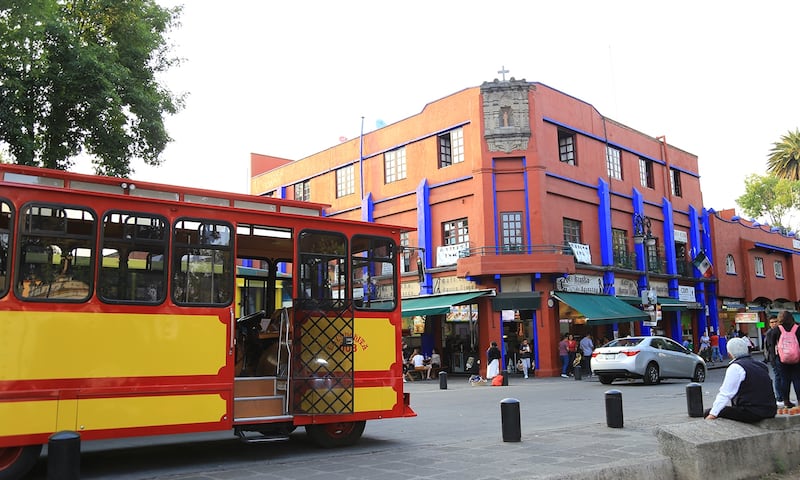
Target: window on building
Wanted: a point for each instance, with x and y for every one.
(759, 264)
(405, 263)
(730, 265)
(675, 182)
(302, 191)
(613, 163)
(778, 266)
(455, 232)
(451, 147)
(572, 231)
(619, 241)
(394, 165)
(566, 147)
(345, 181)
(646, 172)
(653, 262)
(511, 227)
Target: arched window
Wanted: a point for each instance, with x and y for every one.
(730, 265)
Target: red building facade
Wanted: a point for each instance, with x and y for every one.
(523, 204)
(756, 272)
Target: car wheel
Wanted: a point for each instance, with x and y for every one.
(651, 374)
(605, 379)
(699, 374)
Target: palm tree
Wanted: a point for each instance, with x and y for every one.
(784, 158)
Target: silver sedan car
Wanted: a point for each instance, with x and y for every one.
(648, 358)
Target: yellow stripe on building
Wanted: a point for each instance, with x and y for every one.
(62, 345)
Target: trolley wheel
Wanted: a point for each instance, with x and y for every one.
(15, 462)
(332, 435)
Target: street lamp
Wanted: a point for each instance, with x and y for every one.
(643, 235)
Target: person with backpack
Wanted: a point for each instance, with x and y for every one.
(787, 351)
(771, 358)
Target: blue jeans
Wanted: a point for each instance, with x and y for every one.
(715, 354)
(564, 364)
(777, 382)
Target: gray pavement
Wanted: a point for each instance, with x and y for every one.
(468, 444)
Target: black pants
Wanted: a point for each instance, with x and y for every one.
(738, 414)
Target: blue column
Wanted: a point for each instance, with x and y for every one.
(638, 209)
(368, 208)
(424, 232)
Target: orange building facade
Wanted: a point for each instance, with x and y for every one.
(524, 205)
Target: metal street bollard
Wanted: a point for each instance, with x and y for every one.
(442, 380)
(505, 378)
(614, 409)
(64, 456)
(577, 373)
(509, 415)
(694, 399)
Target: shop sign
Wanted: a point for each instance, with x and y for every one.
(409, 289)
(452, 284)
(580, 284)
(624, 287)
(680, 236)
(747, 317)
(686, 293)
(796, 244)
(661, 288)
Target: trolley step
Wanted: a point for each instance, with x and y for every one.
(256, 437)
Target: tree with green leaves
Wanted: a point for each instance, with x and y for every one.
(784, 158)
(79, 77)
(769, 197)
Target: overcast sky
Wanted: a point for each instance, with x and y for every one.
(717, 79)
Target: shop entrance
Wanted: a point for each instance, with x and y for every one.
(460, 338)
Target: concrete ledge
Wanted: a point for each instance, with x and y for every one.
(731, 450)
(657, 468)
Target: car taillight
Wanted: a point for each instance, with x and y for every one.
(631, 353)
(594, 354)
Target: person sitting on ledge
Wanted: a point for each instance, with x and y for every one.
(747, 387)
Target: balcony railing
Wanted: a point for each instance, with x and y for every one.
(515, 250)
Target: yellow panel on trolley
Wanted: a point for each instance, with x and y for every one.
(372, 399)
(375, 344)
(32, 417)
(103, 345)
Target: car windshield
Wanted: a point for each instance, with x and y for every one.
(625, 342)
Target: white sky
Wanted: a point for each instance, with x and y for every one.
(718, 79)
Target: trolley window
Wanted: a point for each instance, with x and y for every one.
(323, 268)
(56, 253)
(373, 267)
(202, 263)
(6, 221)
(134, 249)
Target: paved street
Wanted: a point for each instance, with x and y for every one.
(457, 434)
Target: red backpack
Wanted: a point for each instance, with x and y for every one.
(788, 349)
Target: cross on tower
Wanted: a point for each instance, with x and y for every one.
(503, 72)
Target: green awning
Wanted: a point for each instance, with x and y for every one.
(517, 301)
(436, 304)
(601, 309)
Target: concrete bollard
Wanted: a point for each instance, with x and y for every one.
(509, 416)
(694, 399)
(64, 456)
(614, 409)
(442, 380)
(577, 373)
